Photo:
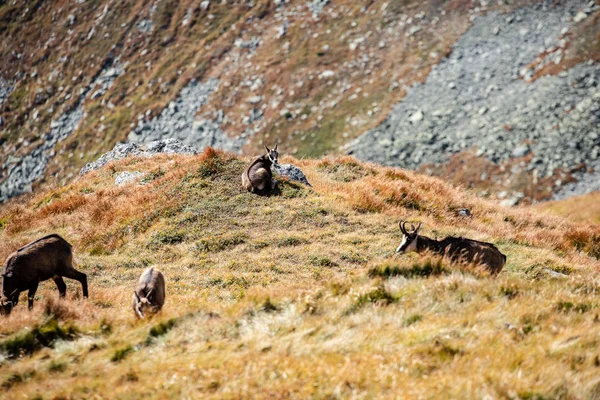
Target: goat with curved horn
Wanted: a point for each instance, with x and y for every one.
(457, 249)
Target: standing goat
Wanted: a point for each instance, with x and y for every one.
(457, 249)
(258, 178)
(45, 258)
(149, 296)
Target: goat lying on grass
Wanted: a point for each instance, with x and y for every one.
(457, 249)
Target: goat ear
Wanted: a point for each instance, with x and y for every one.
(268, 151)
(418, 227)
(275, 148)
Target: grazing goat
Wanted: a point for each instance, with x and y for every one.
(258, 178)
(45, 258)
(149, 296)
(457, 249)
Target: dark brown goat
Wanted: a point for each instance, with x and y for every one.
(258, 178)
(149, 295)
(50, 257)
(457, 249)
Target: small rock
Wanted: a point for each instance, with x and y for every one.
(555, 274)
(520, 151)
(254, 99)
(464, 212)
(580, 17)
(417, 116)
(326, 74)
(412, 30)
(126, 177)
(292, 172)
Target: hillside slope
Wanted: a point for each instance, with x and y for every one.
(299, 294)
(584, 208)
(78, 77)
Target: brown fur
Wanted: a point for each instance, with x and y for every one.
(50, 257)
(465, 250)
(258, 178)
(457, 249)
(149, 295)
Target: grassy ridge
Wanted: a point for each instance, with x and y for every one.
(300, 294)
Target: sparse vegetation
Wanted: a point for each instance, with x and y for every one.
(121, 353)
(160, 329)
(379, 297)
(421, 269)
(44, 335)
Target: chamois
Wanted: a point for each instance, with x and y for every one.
(149, 295)
(258, 178)
(40, 260)
(457, 249)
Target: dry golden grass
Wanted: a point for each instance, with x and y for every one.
(584, 208)
(299, 294)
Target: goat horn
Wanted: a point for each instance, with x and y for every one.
(404, 230)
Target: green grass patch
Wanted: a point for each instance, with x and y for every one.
(152, 175)
(169, 237)
(16, 378)
(268, 306)
(568, 307)
(510, 292)
(353, 257)
(121, 353)
(321, 261)
(161, 328)
(380, 296)
(413, 319)
(44, 335)
(57, 366)
(429, 267)
(289, 241)
(220, 242)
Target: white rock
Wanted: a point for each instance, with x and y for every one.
(326, 74)
(126, 177)
(579, 17)
(417, 116)
(254, 99)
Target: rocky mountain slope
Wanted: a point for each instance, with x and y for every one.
(485, 97)
(316, 306)
(78, 77)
